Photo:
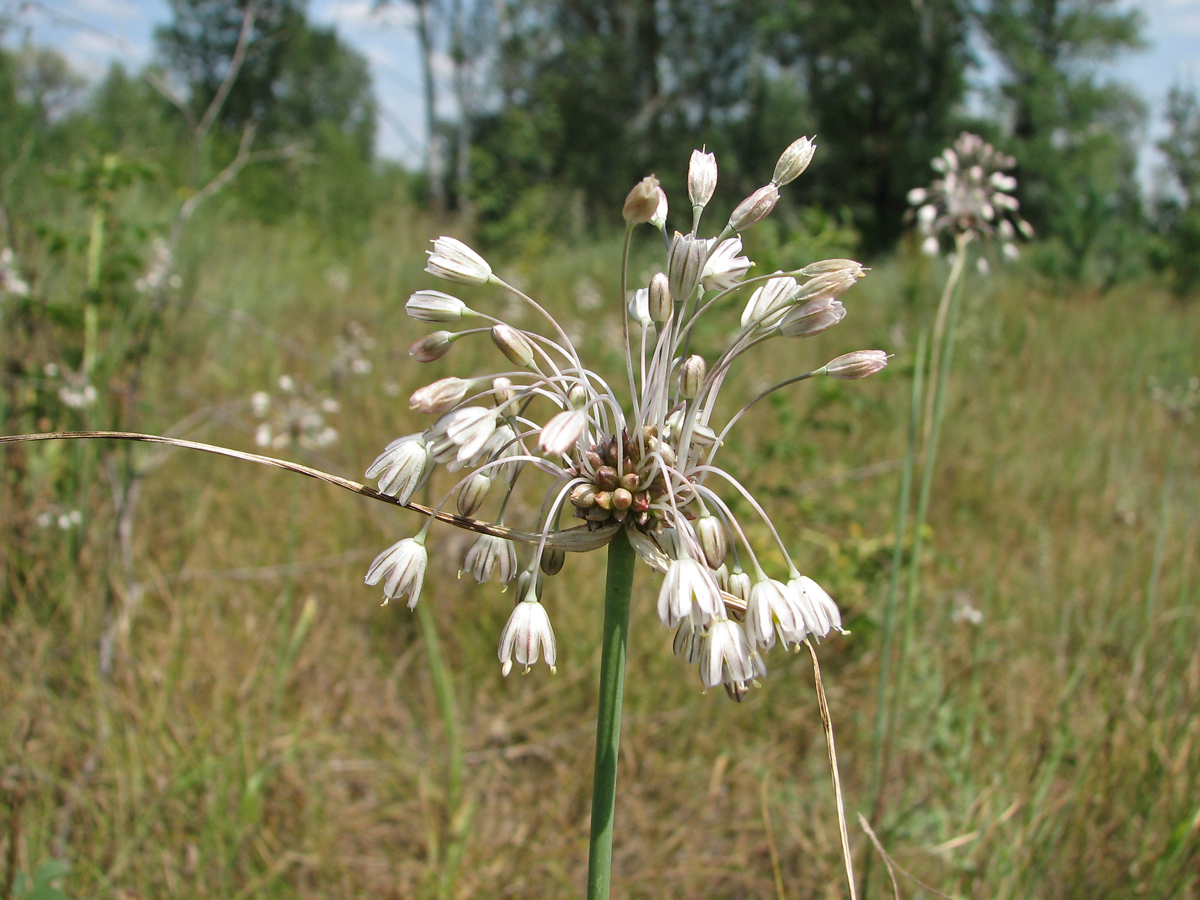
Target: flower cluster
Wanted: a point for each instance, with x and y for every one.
(644, 462)
(973, 197)
(294, 417)
(11, 282)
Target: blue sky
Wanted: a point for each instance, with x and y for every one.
(92, 33)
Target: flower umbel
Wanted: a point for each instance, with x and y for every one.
(973, 197)
(637, 455)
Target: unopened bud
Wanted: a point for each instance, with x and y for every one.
(552, 560)
(435, 306)
(691, 376)
(812, 318)
(512, 344)
(754, 208)
(832, 265)
(453, 260)
(858, 364)
(702, 178)
(503, 390)
(630, 481)
(795, 159)
(432, 346)
(642, 201)
(473, 492)
(658, 301)
(577, 396)
(622, 499)
(439, 396)
(714, 540)
(740, 585)
(685, 263)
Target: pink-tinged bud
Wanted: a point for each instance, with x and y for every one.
(455, 261)
(473, 492)
(754, 208)
(826, 266)
(434, 306)
(503, 390)
(702, 178)
(685, 263)
(512, 344)
(433, 346)
(830, 285)
(812, 318)
(795, 159)
(858, 364)
(691, 376)
(642, 202)
(439, 396)
(658, 301)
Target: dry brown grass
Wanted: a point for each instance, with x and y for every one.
(1050, 752)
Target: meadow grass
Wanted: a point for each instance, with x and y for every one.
(268, 730)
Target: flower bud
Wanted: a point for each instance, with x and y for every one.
(754, 208)
(658, 300)
(858, 364)
(432, 346)
(714, 540)
(622, 499)
(434, 306)
(439, 396)
(455, 261)
(473, 492)
(642, 202)
(812, 318)
(659, 219)
(833, 265)
(795, 159)
(552, 560)
(685, 263)
(691, 376)
(583, 495)
(702, 178)
(503, 390)
(639, 307)
(512, 344)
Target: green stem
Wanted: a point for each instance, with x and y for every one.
(608, 719)
(879, 751)
(937, 390)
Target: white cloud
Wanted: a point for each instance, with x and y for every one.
(364, 16)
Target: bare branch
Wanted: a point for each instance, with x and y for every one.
(231, 74)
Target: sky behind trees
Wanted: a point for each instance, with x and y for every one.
(93, 33)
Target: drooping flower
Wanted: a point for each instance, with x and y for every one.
(644, 464)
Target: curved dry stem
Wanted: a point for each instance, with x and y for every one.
(572, 540)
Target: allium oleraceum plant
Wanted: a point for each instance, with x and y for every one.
(973, 197)
(638, 456)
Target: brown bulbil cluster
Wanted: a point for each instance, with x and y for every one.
(622, 485)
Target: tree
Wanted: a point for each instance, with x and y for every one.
(884, 83)
(293, 77)
(1073, 134)
(1178, 209)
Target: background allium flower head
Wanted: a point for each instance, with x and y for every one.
(973, 197)
(637, 455)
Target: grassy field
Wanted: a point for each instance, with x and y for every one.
(228, 712)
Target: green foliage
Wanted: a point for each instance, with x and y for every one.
(1073, 134)
(884, 82)
(42, 886)
(1178, 221)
